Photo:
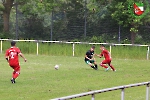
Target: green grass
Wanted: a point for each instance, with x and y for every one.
(40, 81)
(62, 49)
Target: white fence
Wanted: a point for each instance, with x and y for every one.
(122, 88)
(73, 45)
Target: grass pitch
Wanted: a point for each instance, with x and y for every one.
(40, 81)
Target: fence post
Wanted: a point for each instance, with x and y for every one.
(73, 49)
(148, 53)
(122, 94)
(93, 97)
(37, 48)
(110, 49)
(147, 91)
(1, 46)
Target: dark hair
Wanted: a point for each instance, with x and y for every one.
(93, 47)
(13, 43)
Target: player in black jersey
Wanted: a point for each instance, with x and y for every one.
(89, 58)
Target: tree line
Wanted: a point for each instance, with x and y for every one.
(75, 20)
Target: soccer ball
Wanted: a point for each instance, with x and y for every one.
(56, 67)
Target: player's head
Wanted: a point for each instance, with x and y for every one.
(102, 47)
(13, 43)
(92, 48)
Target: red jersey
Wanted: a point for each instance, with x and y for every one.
(12, 53)
(106, 54)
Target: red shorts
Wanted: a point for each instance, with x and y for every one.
(15, 66)
(106, 61)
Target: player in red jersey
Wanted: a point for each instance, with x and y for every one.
(11, 56)
(107, 59)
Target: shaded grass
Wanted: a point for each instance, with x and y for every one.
(40, 81)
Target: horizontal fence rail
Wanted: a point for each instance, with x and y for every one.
(73, 45)
(92, 93)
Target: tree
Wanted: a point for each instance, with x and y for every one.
(8, 4)
(6, 9)
(39, 15)
(6, 13)
(122, 12)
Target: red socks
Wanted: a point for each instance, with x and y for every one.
(112, 68)
(107, 67)
(103, 65)
(15, 74)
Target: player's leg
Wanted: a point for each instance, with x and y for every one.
(89, 63)
(16, 73)
(95, 64)
(17, 70)
(12, 79)
(103, 64)
(111, 66)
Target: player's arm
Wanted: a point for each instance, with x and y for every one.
(95, 54)
(87, 57)
(23, 57)
(6, 56)
(93, 57)
(99, 55)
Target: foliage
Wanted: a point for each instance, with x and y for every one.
(1, 7)
(85, 20)
(5, 35)
(122, 12)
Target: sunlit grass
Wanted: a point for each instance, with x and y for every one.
(40, 81)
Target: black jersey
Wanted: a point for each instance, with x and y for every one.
(89, 54)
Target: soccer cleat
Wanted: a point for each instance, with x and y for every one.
(96, 68)
(107, 69)
(92, 67)
(13, 81)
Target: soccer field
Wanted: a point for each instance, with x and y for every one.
(40, 81)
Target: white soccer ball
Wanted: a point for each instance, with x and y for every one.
(56, 67)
